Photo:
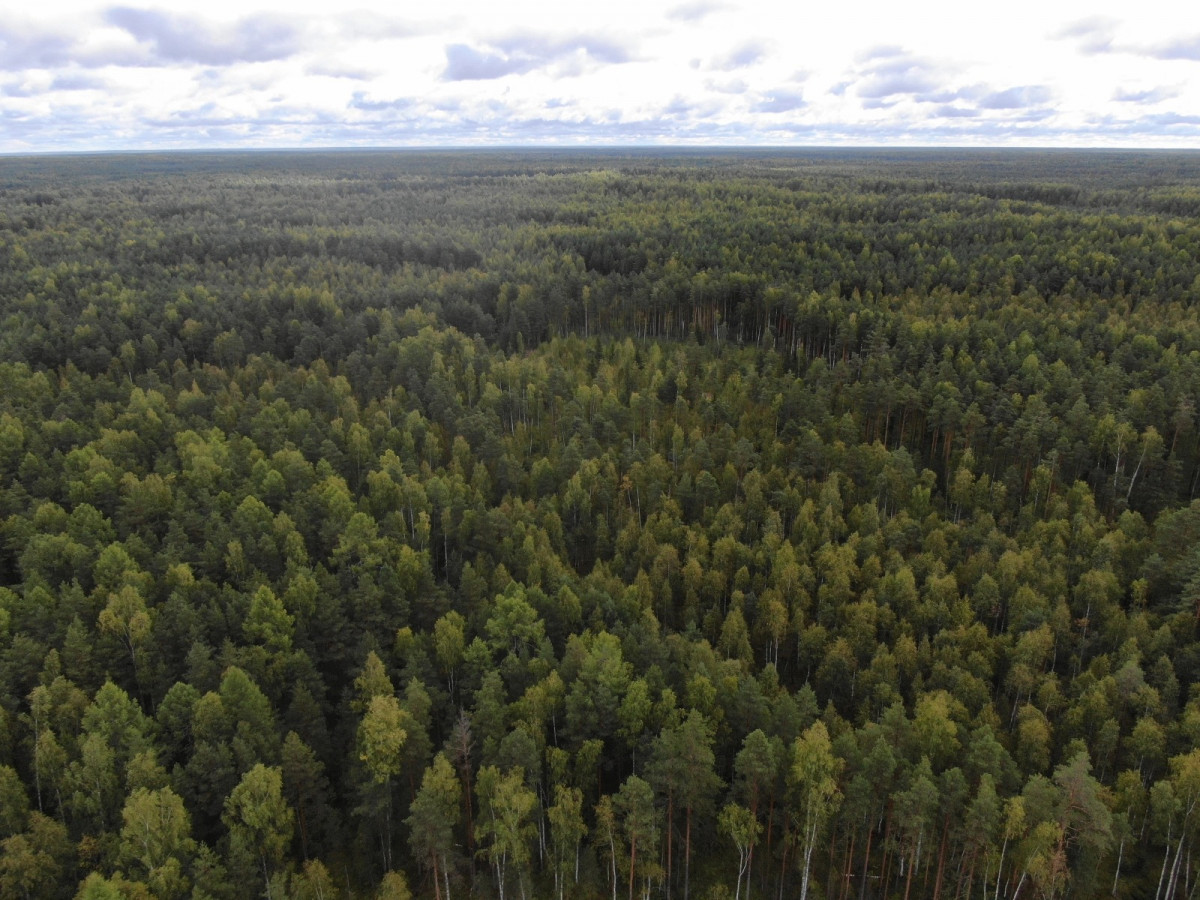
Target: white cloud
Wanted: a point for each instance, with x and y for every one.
(76, 74)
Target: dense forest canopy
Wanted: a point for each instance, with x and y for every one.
(562, 524)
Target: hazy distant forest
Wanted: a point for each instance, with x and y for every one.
(600, 526)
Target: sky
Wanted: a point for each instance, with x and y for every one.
(77, 75)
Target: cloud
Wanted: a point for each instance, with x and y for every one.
(1092, 35)
(891, 72)
(741, 57)
(1151, 95)
(1170, 120)
(880, 51)
(694, 12)
(1181, 48)
(360, 101)
(23, 47)
(339, 69)
(732, 86)
(172, 38)
(781, 101)
(955, 112)
(521, 53)
(362, 24)
(75, 81)
(1098, 35)
(1016, 98)
(464, 63)
(681, 109)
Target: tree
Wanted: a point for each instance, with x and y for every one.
(157, 837)
(32, 862)
(434, 814)
(313, 883)
(743, 829)
(916, 807)
(1085, 819)
(305, 787)
(812, 780)
(756, 771)
(567, 831)
(381, 738)
(259, 820)
(634, 805)
(506, 806)
(683, 768)
(126, 616)
(394, 886)
(14, 803)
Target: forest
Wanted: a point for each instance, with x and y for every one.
(565, 525)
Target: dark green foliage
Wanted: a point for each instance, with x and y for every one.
(750, 522)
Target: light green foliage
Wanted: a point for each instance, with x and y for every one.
(259, 819)
(381, 737)
(812, 781)
(504, 824)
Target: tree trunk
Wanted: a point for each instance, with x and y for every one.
(941, 867)
(670, 836)
(847, 873)
(632, 864)
(687, 855)
(862, 888)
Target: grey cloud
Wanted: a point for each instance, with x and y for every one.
(914, 82)
(24, 48)
(180, 39)
(521, 53)
(1098, 35)
(1016, 98)
(33, 51)
(678, 107)
(1182, 48)
(1092, 35)
(464, 63)
(881, 51)
(548, 49)
(694, 12)
(741, 57)
(340, 70)
(733, 86)
(1085, 27)
(363, 23)
(956, 112)
(780, 102)
(890, 72)
(1170, 120)
(1153, 95)
(210, 114)
(681, 109)
(77, 82)
(205, 126)
(360, 101)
